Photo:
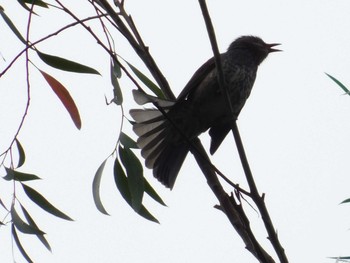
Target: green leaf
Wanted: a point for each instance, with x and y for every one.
(32, 223)
(153, 87)
(21, 154)
(346, 201)
(341, 258)
(23, 226)
(64, 96)
(126, 141)
(19, 245)
(12, 26)
(339, 84)
(43, 203)
(152, 193)
(35, 2)
(96, 188)
(3, 205)
(123, 186)
(146, 214)
(18, 176)
(134, 172)
(115, 75)
(121, 181)
(66, 65)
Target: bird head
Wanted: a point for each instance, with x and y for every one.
(255, 46)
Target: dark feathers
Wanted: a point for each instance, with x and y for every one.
(164, 139)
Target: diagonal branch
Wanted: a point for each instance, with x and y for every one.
(141, 50)
(231, 209)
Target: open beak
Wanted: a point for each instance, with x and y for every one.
(271, 49)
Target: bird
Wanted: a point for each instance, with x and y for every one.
(165, 131)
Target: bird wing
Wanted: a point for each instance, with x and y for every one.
(197, 78)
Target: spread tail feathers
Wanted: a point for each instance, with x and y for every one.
(162, 153)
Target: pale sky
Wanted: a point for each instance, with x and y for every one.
(295, 127)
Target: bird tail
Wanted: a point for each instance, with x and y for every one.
(162, 152)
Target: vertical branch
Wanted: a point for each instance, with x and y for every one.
(232, 210)
(217, 57)
(259, 201)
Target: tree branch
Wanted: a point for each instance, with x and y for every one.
(141, 50)
(233, 211)
(258, 200)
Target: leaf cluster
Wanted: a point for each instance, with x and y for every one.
(128, 171)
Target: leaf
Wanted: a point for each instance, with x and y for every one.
(153, 87)
(19, 245)
(134, 172)
(345, 201)
(32, 223)
(23, 226)
(115, 75)
(3, 205)
(340, 258)
(339, 84)
(146, 214)
(22, 156)
(37, 198)
(18, 176)
(121, 181)
(64, 96)
(96, 188)
(152, 193)
(123, 186)
(12, 26)
(126, 141)
(35, 2)
(65, 64)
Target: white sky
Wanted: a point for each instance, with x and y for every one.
(295, 129)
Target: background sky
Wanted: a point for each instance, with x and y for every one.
(295, 127)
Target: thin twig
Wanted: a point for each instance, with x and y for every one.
(141, 50)
(31, 45)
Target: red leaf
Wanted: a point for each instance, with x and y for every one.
(64, 96)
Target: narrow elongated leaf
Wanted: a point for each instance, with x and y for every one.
(346, 201)
(341, 85)
(121, 181)
(21, 154)
(43, 203)
(64, 96)
(32, 223)
(65, 64)
(12, 26)
(23, 226)
(18, 176)
(149, 83)
(96, 188)
(340, 258)
(152, 193)
(115, 75)
(35, 2)
(146, 214)
(123, 186)
(19, 245)
(134, 172)
(3, 205)
(126, 141)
